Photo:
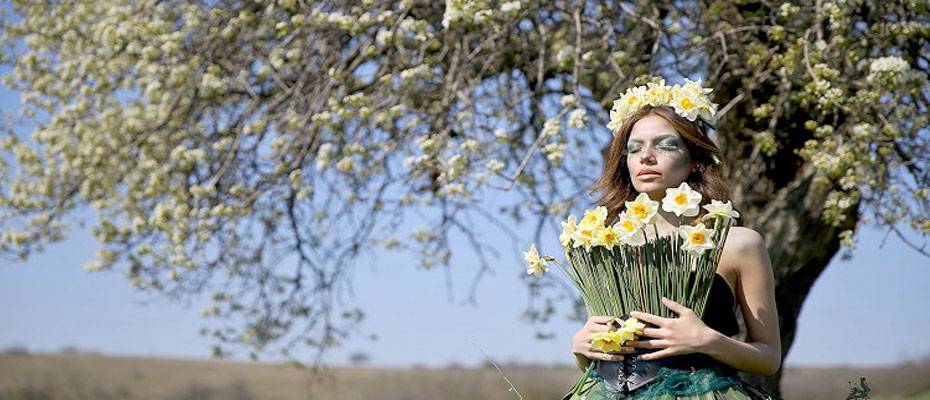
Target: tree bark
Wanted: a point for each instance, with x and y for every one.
(800, 246)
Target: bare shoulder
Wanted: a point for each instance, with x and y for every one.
(744, 248)
(742, 239)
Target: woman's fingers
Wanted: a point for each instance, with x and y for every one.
(622, 350)
(612, 356)
(653, 333)
(677, 308)
(596, 324)
(604, 356)
(652, 319)
(658, 354)
(649, 344)
(600, 319)
(598, 328)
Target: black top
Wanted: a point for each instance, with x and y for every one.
(718, 313)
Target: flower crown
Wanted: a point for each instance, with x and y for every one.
(689, 100)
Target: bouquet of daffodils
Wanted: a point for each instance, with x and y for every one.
(618, 269)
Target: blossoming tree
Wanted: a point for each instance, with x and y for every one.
(214, 140)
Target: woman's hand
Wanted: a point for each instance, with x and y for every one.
(675, 336)
(581, 341)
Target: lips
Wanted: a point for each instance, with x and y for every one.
(647, 172)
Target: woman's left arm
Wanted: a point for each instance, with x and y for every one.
(755, 291)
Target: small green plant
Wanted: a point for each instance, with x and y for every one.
(859, 392)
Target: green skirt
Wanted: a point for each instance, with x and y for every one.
(670, 384)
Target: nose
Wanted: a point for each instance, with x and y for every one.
(646, 155)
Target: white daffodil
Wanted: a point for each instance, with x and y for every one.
(609, 237)
(694, 88)
(568, 229)
(685, 104)
(682, 200)
(697, 239)
(634, 325)
(642, 209)
(630, 230)
(630, 101)
(635, 98)
(587, 236)
(594, 217)
(536, 265)
(658, 93)
(719, 209)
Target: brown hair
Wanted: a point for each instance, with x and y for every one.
(615, 185)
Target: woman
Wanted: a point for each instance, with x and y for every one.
(655, 147)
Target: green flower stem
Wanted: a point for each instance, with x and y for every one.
(614, 281)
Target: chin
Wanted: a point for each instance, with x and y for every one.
(647, 187)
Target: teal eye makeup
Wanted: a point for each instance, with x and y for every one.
(668, 145)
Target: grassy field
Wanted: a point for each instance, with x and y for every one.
(80, 376)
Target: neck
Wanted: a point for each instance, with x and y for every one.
(666, 222)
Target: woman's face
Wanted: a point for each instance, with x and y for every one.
(657, 156)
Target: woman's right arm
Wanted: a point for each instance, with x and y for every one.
(581, 343)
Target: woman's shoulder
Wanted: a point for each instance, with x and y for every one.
(742, 243)
(742, 238)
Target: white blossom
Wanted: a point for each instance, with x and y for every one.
(495, 166)
(501, 134)
(786, 10)
(578, 118)
(555, 152)
(510, 6)
(551, 127)
(470, 145)
(454, 190)
(345, 164)
(892, 64)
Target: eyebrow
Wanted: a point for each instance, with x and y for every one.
(657, 138)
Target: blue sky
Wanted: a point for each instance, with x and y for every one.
(866, 311)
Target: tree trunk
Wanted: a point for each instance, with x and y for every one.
(800, 246)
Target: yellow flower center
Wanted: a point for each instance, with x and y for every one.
(697, 238)
(639, 210)
(632, 100)
(686, 103)
(609, 236)
(681, 198)
(628, 226)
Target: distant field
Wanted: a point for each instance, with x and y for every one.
(77, 376)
